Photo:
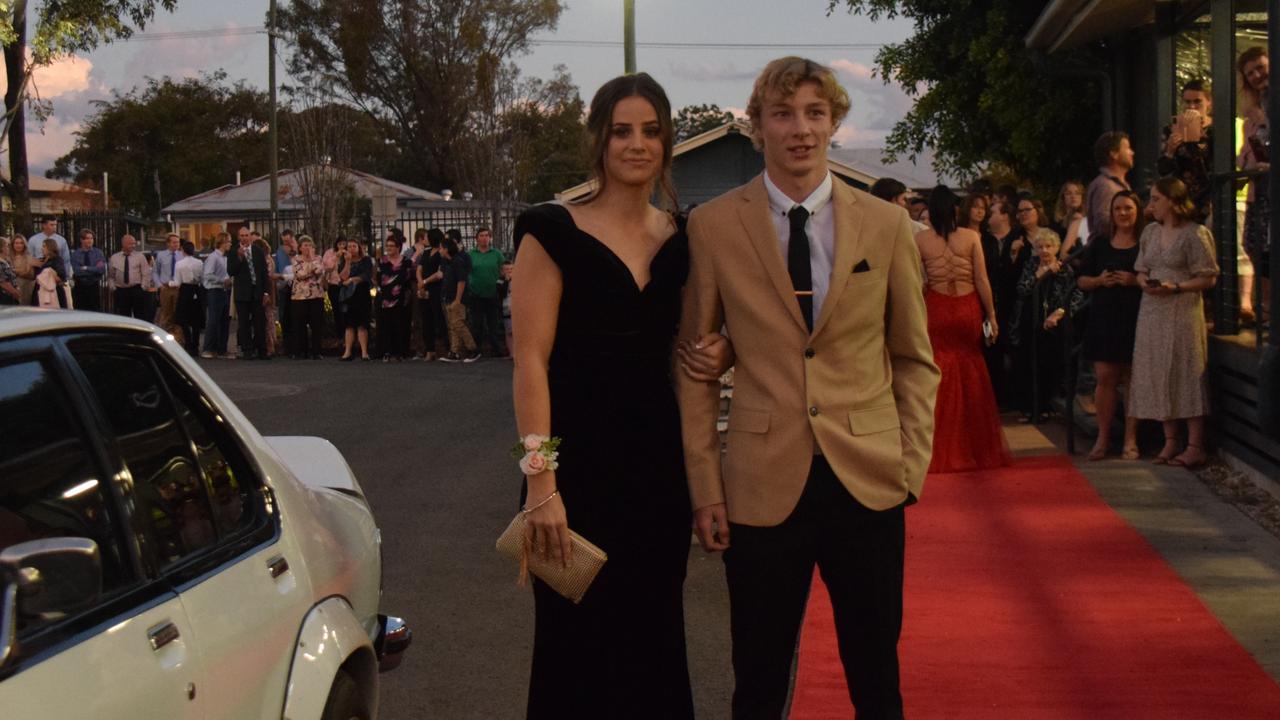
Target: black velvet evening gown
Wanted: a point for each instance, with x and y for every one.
(620, 653)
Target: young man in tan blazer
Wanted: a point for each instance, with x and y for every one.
(830, 430)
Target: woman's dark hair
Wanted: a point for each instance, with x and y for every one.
(434, 237)
(1179, 197)
(450, 245)
(887, 188)
(393, 239)
(600, 127)
(966, 208)
(942, 210)
(455, 234)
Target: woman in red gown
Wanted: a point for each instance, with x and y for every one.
(967, 433)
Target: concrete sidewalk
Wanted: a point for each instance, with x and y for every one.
(1228, 560)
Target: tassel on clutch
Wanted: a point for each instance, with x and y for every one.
(571, 582)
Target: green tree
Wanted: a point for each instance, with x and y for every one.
(61, 27)
(694, 120)
(171, 139)
(435, 69)
(981, 96)
(546, 132)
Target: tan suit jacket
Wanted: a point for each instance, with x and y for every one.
(861, 387)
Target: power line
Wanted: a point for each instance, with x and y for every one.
(241, 31)
(196, 34)
(711, 46)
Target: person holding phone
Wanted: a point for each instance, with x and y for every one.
(1175, 266)
(1107, 273)
(1188, 146)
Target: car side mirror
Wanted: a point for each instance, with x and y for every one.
(45, 580)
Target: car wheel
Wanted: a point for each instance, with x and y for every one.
(344, 701)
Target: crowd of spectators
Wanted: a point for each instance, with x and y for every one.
(1116, 279)
(1124, 291)
(284, 302)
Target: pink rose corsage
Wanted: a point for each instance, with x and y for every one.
(537, 453)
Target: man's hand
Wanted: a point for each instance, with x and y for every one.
(706, 359)
(711, 524)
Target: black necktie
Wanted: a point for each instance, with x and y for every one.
(126, 269)
(798, 263)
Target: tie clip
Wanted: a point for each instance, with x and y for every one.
(806, 293)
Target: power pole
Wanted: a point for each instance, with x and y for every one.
(629, 36)
(274, 130)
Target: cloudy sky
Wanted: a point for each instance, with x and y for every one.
(691, 75)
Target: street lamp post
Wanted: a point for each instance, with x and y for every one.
(629, 36)
(274, 132)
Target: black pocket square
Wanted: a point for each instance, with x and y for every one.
(862, 266)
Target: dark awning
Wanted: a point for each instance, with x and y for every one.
(1065, 24)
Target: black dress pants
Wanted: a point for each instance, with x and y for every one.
(770, 569)
(308, 324)
(128, 301)
(87, 296)
(393, 331)
(486, 323)
(251, 328)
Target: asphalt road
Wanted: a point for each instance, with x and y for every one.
(429, 443)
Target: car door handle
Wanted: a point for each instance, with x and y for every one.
(277, 566)
(162, 635)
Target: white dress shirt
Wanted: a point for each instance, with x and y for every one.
(189, 270)
(821, 229)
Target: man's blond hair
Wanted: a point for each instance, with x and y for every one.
(782, 77)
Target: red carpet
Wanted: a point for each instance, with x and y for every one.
(1028, 598)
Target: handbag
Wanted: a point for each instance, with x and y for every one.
(571, 582)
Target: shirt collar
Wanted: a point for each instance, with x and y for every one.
(780, 203)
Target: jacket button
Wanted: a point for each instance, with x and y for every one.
(808, 352)
(813, 411)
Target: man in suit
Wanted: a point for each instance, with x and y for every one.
(248, 265)
(830, 430)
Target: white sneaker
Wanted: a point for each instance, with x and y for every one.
(472, 358)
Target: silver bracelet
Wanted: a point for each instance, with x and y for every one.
(526, 509)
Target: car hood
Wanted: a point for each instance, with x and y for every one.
(316, 463)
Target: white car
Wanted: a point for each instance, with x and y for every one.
(161, 559)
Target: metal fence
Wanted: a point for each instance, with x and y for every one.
(107, 228)
(462, 215)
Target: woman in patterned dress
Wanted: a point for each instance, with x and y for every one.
(1175, 266)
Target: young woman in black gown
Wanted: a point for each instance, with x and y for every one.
(594, 306)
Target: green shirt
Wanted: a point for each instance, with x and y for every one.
(485, 267)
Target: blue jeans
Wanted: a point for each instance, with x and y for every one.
(217, 320)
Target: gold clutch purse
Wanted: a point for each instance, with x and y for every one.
(571, 582)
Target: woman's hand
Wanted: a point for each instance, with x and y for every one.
(995, 330)
(1054, 318)
(546, 534)
(1159, 290)
(1127, 279)
(707, 359)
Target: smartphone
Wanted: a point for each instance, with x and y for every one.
(1192, 126)
(1153, 283)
